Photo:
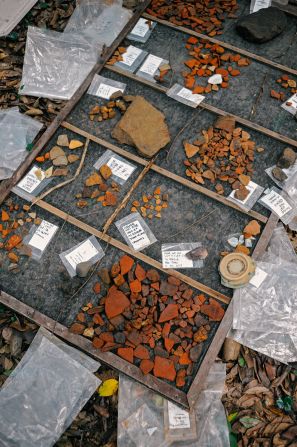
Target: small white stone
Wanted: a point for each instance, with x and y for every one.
(248, 243)
(233, 241)
(241, 239)
(215, 79)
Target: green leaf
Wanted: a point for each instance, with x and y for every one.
(8, 372)
(44, 5)
(241, 361)
(13, 36)
(285, 403)
(29, 147)
(249, 422)
(232, 416)
(232, 436)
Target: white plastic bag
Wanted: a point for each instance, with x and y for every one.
(45, 393)
(55, 64)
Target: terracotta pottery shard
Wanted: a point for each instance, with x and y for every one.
(141, 352)
(213, 310)
(146, 366)
(56, 152)
(135, 286)
(244, 179)
(140, 273)
(144, 127)
(74, 144)
(60, 161)
(126, 263)
(252, 228)
(72, 158)
(169, 343)
(168, 289)
(94, 179)
(242, 193)
(190, 149)
(169, 313)
(225, 123)
(115, 303)
(105, 171)
(153, 275)
(164, 368)
(126, 353)
(12, 242)
(77, 328)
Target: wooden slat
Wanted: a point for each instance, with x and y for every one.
(115, 243)
(210, 108)
(7, 185)
(177, 178)
(256, 57)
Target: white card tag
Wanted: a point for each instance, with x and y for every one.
(30, 182)
(151, 64)
(178, 418)
(131, 55)
(291, 104)
(105, 91)
(175, 259)
(119, 168)
(141, 28)
(261, 4)
(258, 277)
(43, 235)
(251, 187)
(185, 93)
(276, 203)
(83, 253)
(136, 235)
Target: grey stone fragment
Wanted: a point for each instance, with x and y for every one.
(287, 158)
(263, 25)
(83, 269)
(279, 174)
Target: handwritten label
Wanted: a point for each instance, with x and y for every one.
(43, 235)
(84, 252)
(251, 187)
(141, 28)
(131, 55)
(258, 277)
(185, 93)
(291, 104)
(261, 4)
(276, 203)
(119, 168)
(178, 418)
(105, 91)
(151, 64)
(30, 182)
(136, 235)
(176, 259)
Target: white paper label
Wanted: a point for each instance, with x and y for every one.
(136, 235)
(30, 182)
(151, 64)
(43, 235)
(291, 104)
(82, 253)
(185, 93)
(105, 91)
(258, 277)
(276, 203)
(251, 187)
(131, 55)
(261, 4)
(119, 168)
(174, 259)
(178, 418)
(141, 28)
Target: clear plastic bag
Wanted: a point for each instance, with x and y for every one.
(256, 5)
(141, 31)
(279, 248)
(132, 58)
(104, 87)
(175, 256)
(121, 168)
(280, 203)
(31, 184)
(98, 23)
(88, 250)
(45, 393)
(184, 95)
(146, 419)
(272, 306)
(55, 64)
(150, 67)
(290, 105)
(39, 238)
(135, 231)
(289, 173)
(255, 191)
(16, 132)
